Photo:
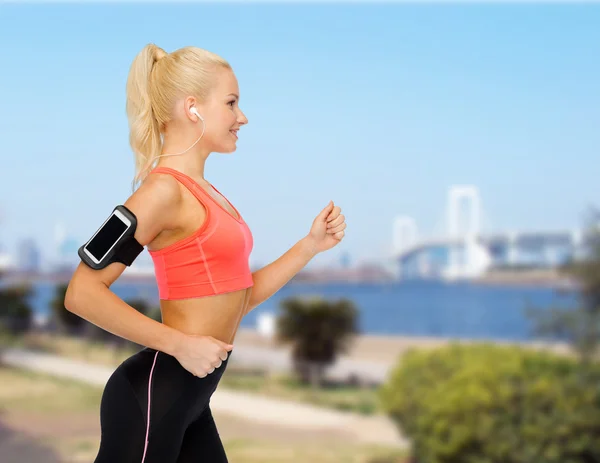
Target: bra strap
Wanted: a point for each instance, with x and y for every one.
(182, 178)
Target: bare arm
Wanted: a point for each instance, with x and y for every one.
(89, 295)
(271, 278)
(327, 231)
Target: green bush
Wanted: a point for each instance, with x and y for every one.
(16, 314)
(492, 404)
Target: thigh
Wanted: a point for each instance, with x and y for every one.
(201, 442)
(142, 413)
(122, 423)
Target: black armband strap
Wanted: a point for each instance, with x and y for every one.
(128, 251)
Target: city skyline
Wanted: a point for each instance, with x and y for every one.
(405, 233)
(380, 108)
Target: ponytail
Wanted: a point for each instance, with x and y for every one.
(144, 128)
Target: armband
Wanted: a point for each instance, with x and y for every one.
(113, 241)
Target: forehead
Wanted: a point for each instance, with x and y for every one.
(226, 83)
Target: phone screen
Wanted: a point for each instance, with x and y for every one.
(106, 237)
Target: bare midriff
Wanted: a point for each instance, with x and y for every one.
(218, 316)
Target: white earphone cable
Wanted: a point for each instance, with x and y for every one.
(194, 144)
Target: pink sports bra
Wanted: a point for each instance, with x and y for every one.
(213, 260)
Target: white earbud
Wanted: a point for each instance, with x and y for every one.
(195, 111)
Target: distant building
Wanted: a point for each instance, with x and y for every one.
(361, 273)
(345, 260)
(68, 258)
(28, 256)
(5, 261)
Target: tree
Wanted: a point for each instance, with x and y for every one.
(16, 313)
(579, 326)
(319, 330)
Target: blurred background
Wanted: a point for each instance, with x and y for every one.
(458, 320)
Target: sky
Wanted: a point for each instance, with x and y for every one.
(380, 108)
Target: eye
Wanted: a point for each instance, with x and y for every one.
(231, 103)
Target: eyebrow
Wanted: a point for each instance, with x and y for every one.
(235, 95)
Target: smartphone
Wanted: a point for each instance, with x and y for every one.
(107, 236)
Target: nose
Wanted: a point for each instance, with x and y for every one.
(242, 119)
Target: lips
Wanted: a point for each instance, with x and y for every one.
(234, 132)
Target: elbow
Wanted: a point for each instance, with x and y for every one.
(252, 304)
(71, 297)
(74, 295)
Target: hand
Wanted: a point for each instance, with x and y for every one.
(327, 229)
(200, 355)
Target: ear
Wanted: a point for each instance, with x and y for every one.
(188, 103)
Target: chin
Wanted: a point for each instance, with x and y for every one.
(226, 149)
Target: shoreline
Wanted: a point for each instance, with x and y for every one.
(387, 349)
(542, 278)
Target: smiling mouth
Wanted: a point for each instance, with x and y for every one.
(234, 132)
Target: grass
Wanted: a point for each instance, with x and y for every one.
(284, 386)
(70, 346)
(43, 396)
(336, 396)
(27, 391)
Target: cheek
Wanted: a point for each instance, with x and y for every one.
(227, 119)
(217, 124)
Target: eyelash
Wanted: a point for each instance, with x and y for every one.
(231, 103)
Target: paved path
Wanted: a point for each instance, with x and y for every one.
(367, 429)
(19, 448)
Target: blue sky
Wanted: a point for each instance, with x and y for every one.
(379, 107)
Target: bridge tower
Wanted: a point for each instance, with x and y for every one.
(470, 257)
(405, 235)
(456, 195)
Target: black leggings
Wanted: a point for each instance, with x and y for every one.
(181, 428)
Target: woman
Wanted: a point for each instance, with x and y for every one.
(155, 407)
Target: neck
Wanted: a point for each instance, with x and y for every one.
(189, 165)
(191, 162)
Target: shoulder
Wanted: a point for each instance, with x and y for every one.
(162, 188)
(155, 204)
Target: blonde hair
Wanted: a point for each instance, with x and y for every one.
(156, 80)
